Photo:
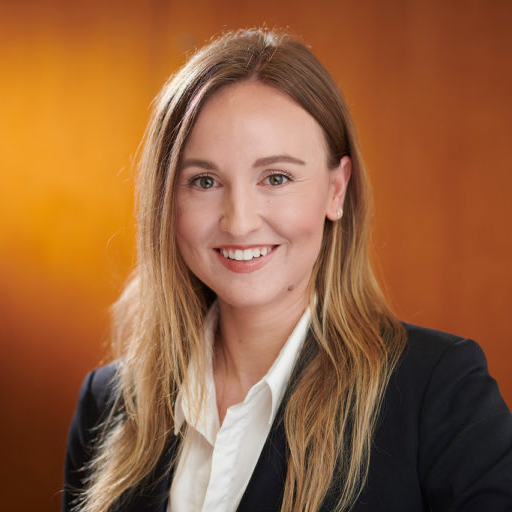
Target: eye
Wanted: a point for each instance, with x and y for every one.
(276, 179)
(203, 182)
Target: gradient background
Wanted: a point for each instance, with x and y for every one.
(429, 84)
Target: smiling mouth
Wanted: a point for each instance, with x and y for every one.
(246, 254)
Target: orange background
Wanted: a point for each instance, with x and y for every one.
(429, 85)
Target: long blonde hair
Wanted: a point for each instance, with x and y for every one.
(333, 405)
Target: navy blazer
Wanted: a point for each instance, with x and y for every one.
(443, 440)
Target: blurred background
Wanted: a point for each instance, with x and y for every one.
(429, 86)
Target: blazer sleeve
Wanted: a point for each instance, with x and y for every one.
(93, 403)
(465, 437)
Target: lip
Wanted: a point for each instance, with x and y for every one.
(244, 267)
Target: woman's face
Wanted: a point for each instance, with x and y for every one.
(253, 192)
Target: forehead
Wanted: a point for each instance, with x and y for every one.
(252, 117)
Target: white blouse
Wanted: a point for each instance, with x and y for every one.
(217, 461)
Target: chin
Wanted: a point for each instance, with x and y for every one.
(248, 298)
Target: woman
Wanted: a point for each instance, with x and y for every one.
(259, 365)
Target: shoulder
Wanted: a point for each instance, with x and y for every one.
(445, 421)
(99, 385)
(431, 344)
(97, 397)
(431, 353)
(443, 379)
(443, 366)
(95, 400)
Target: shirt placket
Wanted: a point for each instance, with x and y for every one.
(224, 459)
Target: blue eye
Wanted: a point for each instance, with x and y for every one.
(276, 179)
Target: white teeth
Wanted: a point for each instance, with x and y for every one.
(246, 254)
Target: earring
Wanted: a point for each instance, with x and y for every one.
(340, 212)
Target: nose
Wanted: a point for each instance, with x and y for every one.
(240, 215)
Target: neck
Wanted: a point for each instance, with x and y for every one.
(250, 339)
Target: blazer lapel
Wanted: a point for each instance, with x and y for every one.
(265, 489)
(153, 495)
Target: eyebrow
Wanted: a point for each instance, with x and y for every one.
(195, 162)
(269, 160)
(261, 162)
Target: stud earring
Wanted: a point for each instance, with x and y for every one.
(340, 212)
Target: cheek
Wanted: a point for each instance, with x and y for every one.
(186, 230)
(303, 220)
(193, 234)
(181, 224)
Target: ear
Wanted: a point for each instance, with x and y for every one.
(339, 178)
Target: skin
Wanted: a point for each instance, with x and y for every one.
(254, 174)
